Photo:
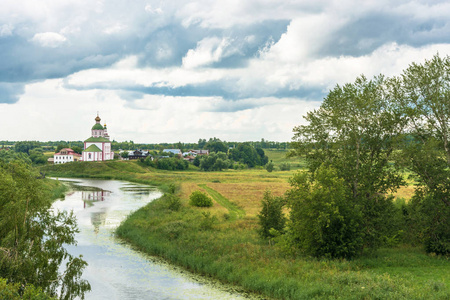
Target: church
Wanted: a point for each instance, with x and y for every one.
(98, 146)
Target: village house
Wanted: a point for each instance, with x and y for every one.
(66, 155)
(138, 154)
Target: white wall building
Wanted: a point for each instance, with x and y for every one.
(98, 146)
(66, 155)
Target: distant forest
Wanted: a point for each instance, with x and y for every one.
(26, 146)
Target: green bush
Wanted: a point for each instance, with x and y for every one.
(207, 222)
(271, 216)
(324, 222)
(285, 166)
(199, 199)
(173, 202)
(431, 218)
(270, 166)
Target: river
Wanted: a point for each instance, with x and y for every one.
(116, 270)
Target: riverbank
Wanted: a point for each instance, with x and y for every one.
(222, 242)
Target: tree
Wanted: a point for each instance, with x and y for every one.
(355, 132)
(426, 104)
(77, 149)
(7, 156)
(201, 143)
(214, 162)
(32, 237)
(270, 166)
(249, 155)
(216, 145)
(271, 216)
(37, 156)
(325, 220)
(26, 146)
(61, 146)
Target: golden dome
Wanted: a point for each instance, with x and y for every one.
(97, 119)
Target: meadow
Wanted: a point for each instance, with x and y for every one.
(222, 241)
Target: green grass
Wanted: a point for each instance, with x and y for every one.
(234, 211)
(278, 157)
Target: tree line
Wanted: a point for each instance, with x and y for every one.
(359, 145)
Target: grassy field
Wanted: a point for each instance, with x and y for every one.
(222, 241)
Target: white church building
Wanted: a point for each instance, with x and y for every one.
(98, 146)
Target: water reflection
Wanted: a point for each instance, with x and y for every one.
(115, 270)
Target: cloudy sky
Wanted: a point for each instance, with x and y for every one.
(169, 71)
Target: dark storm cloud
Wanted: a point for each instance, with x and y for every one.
(9, 92)
(160, 37)
(368, 32)
(24, 60)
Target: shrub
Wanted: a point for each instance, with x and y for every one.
(270, 166)
(207, 222)
(271, 217)
(285, 167)
(199, 199)
(431, 219)
(173, 202)
(324, 222)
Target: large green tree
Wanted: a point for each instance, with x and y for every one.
(426, 104)
(32, 236)
(355, 132)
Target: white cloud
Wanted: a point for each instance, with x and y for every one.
(304, 37)
(150, 9)
(209, 50)
(49, 39)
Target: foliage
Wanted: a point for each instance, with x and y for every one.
(430, 221)
(26, 146)
(16, 291)
(207, 221)
(425, 102)
(249, 155)
(270, 166)
(355, 131)
(37, 156)
(199, 199)
(196, 161)
(285, 167)
(32, 237)
(271, 216)
(216, 145)
(170, 163)
(173, 202)
(77, 149)
(7, 156)
(61, 146)
(214, 162)
(325, 220)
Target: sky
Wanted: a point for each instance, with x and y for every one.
(170, 71)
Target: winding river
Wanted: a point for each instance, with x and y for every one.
(115, 270)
